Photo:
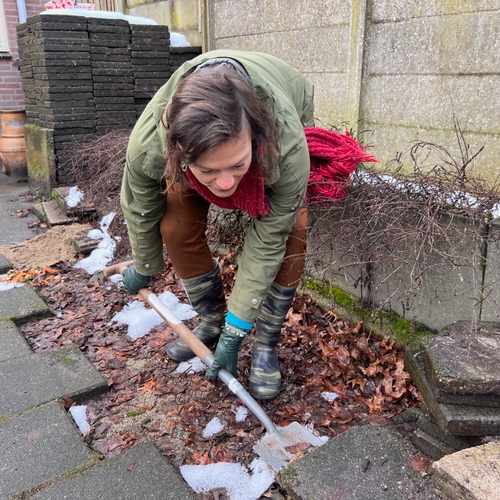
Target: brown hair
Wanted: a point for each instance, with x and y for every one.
(210, 107)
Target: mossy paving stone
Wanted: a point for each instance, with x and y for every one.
(22, 304)
(465, 360)
(39, 378)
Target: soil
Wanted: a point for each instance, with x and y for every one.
(47, 249)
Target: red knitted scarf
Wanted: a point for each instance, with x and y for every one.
(333, 156)
(249, 195)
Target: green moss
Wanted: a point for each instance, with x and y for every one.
(134, 413)
(289, 475)
(65, 356)
(379, 322)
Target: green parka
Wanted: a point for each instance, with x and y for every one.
(289, 96)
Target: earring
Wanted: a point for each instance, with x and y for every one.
(184, 166)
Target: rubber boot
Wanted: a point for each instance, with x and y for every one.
(265, 375)
(206, 294)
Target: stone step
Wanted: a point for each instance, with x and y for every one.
(454, 420)
(427, 424)
(39, 446)
(139, 473)
(12, 343)
(464, 360)
(22, 304)
(51, 213)
(36, 379)
(430, 445)
(470, 474)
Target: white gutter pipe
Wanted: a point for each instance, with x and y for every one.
(21, 10)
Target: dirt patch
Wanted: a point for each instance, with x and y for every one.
(47, 249)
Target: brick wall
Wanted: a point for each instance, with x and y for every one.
(11, 93)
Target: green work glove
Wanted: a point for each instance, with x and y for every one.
(226, 354)
(133, 281)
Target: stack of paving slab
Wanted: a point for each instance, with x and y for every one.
(84, 77)
(458, 375)
(179, 55)
(112, 74)
(57, 78)
(150, 59)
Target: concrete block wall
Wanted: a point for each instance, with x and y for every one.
(426, 62)
(313, 36)
(182, 16)
(399, 69)
(404, 71)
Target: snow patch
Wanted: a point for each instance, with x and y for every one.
(178, 40)
(329, 396)
(141, 321)
(213, 427)
(104, 252)
(74, 197)
(79, 414)
(5, 285)
(193, 365)
(241, 413)
(238, 482)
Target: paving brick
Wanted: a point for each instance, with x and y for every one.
(464, 359)
(12, 343)
(38, 446)
(36, 379)
(22, 305)
(470, 474)
(5, 264)
(140, 473)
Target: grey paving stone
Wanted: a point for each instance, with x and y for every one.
(22, 304)
(454, 420)
(39, 378)
(14, 229)
(38, 446)
(12, 343)
(362, 463)
(140, 473)
(465, 359)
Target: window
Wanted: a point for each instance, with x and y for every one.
(4, 40)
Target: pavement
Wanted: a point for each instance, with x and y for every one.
(44, 455)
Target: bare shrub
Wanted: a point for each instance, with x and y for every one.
(397, 228)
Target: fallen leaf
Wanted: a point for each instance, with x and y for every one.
(295, 448)
(421, 464)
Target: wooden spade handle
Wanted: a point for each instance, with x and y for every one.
(117, 268)
(195, 344)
